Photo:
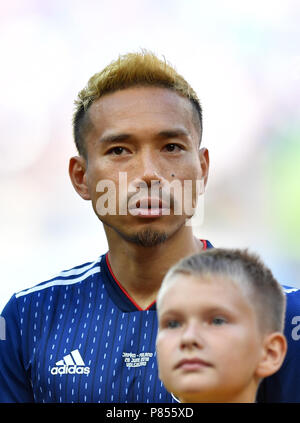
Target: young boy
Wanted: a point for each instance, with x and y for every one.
(221, 317)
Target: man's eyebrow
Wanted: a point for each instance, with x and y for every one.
(166, 133)
(173, 133)
(114, 138)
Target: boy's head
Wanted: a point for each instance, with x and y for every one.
(221, 317)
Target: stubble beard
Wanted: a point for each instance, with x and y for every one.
(146, 237)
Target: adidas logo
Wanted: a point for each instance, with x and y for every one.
(71, 364)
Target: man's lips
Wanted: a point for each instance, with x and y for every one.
(191, 364)
(149, 207)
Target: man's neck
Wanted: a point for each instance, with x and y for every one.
(140, 270)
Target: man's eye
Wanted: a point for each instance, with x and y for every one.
(116, 151)
(173, 147)
(218, 321)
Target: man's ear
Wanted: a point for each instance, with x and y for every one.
(77, 172)
(204, 163)
(274, 351)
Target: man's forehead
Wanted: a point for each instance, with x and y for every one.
(139, 93)
(135, 102)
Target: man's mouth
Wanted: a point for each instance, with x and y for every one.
(149, 207)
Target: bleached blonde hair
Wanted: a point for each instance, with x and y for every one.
(132, 69)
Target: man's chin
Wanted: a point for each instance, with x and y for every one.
(147, 238)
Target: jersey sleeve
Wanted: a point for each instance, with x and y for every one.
(284, 386)
(15, 383)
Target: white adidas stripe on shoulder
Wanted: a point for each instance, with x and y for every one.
(84, 273)
(289, 290)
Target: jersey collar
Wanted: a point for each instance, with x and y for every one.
(117, 292)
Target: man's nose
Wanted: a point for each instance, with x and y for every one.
(149, 168)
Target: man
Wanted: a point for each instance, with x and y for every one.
(88, 335)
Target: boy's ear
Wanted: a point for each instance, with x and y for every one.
(274, 351)
(77, 172)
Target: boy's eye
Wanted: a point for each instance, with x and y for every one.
(171, 324)
(218, 320)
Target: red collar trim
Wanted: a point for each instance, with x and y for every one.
(204, 243)
(123, 289)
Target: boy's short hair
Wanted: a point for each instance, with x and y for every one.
(247, 271)
(129, 70)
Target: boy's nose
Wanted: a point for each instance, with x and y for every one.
(191, 337)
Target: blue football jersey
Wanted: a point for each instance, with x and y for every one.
(284, 386)
(79, 337)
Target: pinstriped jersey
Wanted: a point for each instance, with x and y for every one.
(79, 338)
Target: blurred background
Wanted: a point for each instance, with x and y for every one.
(243, 60)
